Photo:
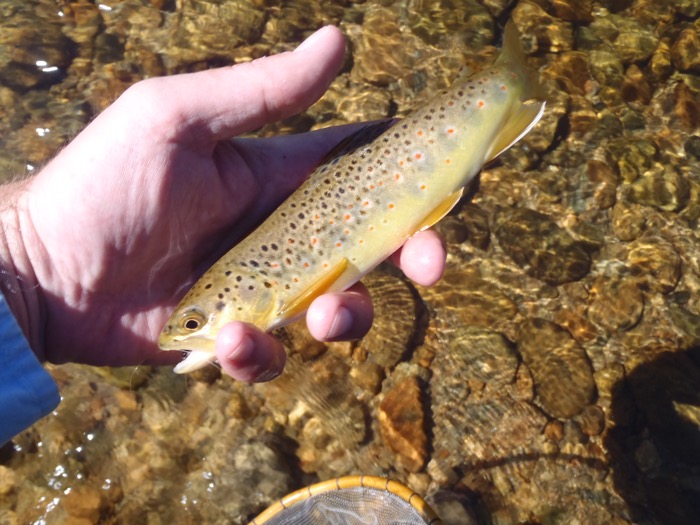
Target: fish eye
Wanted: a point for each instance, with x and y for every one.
(192, 321)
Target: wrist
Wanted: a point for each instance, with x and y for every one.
(18, 282)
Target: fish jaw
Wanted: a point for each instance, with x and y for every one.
(195, 359)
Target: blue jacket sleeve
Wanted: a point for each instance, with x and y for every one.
(27, 391)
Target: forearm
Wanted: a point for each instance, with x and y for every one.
(17, 280)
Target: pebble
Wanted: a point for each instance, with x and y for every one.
(665, 189)
(539, 246)
(7, 480)
(483, 355)
(395, 319)
(83, 501)
(616, 302)
(685, 52)
(561, 370)
(402, 423)
(657, 261)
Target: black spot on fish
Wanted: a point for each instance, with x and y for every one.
(301, 216)
(251, 287)
(227, 273)
(274, 246)
(227, 290)
(254, 264)
(220, 296)
(220, 306)
(264, 247)
(267, 285)
(293, 226)
(207, 286)
(239, 278)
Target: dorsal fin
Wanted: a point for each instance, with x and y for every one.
(359, 138)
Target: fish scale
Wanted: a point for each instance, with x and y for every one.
(375, 190)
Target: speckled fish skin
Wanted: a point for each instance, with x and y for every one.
(380, 186)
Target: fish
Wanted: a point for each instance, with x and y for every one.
(375, 190)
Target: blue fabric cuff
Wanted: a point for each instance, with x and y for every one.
(27, 390)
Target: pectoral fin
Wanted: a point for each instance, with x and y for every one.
(301, 302)
(441, 210)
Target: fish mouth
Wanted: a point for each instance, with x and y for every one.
(187, 344)
(195, 360)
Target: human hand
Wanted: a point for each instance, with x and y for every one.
(111, 233)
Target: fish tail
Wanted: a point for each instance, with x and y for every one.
(530, 106)
(514, 59)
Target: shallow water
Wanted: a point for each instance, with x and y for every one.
(552, 375)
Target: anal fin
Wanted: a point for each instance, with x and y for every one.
(441, 210)
(301, 302)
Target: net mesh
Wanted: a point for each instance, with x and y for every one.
(350, 506)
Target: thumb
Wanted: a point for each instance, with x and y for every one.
(221, 103)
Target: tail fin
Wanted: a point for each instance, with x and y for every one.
(514, 59)
(526, 114)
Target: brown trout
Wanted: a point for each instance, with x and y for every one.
(378, 188)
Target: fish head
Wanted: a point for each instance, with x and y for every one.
(192, 327)
(210, 304)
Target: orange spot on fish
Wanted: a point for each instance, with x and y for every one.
(290, 241)
(450, 103)
(397, 176)
(347, 232)
(306, 265)
(360, 241)
(371, 228)
(381, 183)
(420, 133)
(365, 203)
(391, 206)
(317, 216)
(504, 88)
(450, 131)
(325, 265)
(481, 104)
(314, 241)
(418, 156)
(347, 217)
(275, 265)
(422, 187)
(448, 161)
(331, 221)
(296, 279)
(339, 244)
(349, 206)
(400, 163)
(371, 186)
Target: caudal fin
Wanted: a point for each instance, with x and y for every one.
(525, 114)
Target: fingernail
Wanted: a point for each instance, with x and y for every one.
(311, 40)
(342, 322)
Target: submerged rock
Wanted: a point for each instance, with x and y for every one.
(562, 372)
